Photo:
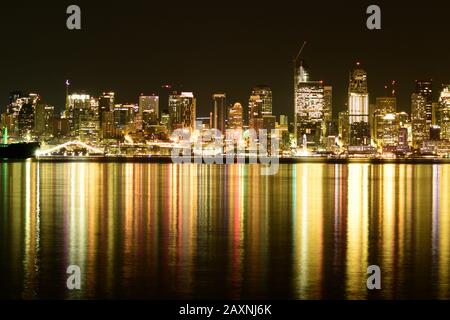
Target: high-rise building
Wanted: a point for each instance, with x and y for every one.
(254, 111)
(310, 113)
(358, 107)
(26, 120)
(265, 95)
(149, 104)
(443, 115)
(182, 111)
(420, 131)
(78, 110)
(384, 106)
(235, 117)
(390, 130)
(44, 119)
(425, 89)
(327, 106)
(149, 109)
(219, 111)
(106, 104)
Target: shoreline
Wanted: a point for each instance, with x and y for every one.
(199, 160)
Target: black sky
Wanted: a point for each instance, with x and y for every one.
(135, 46)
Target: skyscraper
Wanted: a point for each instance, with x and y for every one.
(443, 116)
(219, 111)
(235, 117)
(182, 111)
(149, 109)
(44, 119)
(78, 108)
(309, 113)
(106, 104)
(384, 106)
(26, 120)
(425, 89)
(265, 95)
(358, 107)
(254, 111)
(420, 130)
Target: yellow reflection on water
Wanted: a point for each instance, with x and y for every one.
(357, 230)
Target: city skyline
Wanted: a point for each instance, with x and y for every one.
(224, 53)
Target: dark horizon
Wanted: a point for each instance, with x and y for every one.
(208, 48)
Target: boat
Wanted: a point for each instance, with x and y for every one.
(17, 150)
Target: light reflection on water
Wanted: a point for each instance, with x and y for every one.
(209, 231)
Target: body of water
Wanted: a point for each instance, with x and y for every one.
(155, 231)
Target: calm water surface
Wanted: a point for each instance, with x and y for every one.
(198, 231)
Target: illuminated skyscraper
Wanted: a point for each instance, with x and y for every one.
(310, 113)
(182, 110)
(420, 130)
(78, 108)
(254, 111)
(26, 120)
(358, 107)
(443, 115)
(313, 106)
(149, 109)
(328, 106)
(149, 104)
(44, 119)
(265, 95)
(235, 117)
(106, 104)
(425, 89)
(219, 111)
(384, 106)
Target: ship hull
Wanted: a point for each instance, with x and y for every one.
(18, 150)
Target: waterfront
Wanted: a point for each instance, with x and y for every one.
(141, 230)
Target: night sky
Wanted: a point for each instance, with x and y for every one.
(134, 47)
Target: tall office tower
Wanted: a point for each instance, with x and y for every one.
(420, 129)
(106, 104)
(182, 111)
(390, 132)
(123, 118)
(265, 95)
(358, 107)
(327, 106)
(310, 113)
(149, 109)
(235, 117)
(425, 89)
(16, 101)
(254, 111)
(443, 114)
(384, 105)
(26, 120)
(219, 111)
(164, 92)
(44, 119)
(78, 106)
(313, 107)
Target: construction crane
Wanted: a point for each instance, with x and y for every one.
(300, 52)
